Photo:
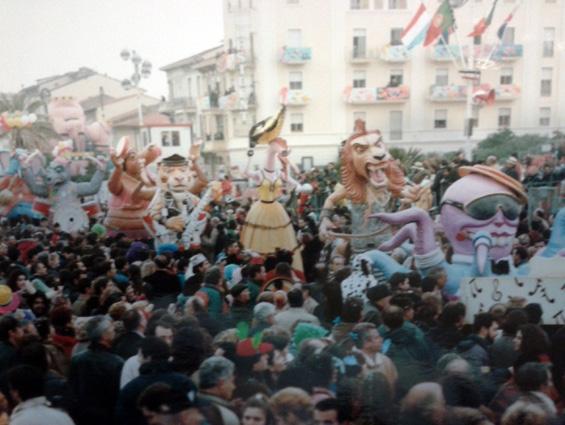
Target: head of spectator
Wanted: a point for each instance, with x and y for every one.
(393, 317)
(532, 343)
(399, 282)
(11, 331)
(256, 411)
(406, 303)
(423, 405)
(367, 338)
(329, 411)
(292, 406)
(216, 375)
(295, 298)
(379, 296)
(213, 277)
(453, 315)
(23, 382)
(534, 312)
(351, 311)
(485, 326)
(154, 349)
(100, 332)
(162, 404)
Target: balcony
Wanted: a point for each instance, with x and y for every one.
(374, 95)
(507, 92)
(233, 102)
(394, 54)
(360, 56)
(458, 93)
(295, 55)
(505, 52)
(210, 101)
(293, 97)
(448, 93)
(228, 62)
(445, 53)
(178, 104)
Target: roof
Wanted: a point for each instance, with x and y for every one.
(151, 118)
(194, 59)
(96, 101)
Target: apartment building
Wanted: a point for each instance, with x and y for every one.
(333, 62)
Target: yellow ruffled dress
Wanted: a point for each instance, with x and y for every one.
(268, 226)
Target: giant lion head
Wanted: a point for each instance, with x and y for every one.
(367, 164)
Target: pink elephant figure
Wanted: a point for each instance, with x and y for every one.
(68, 120)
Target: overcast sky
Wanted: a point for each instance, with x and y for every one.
(40, 38)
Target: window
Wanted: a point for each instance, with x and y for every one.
(548, 42)
(397, 4)
(395, 125)
(359, 4)
(359, 79)
(359, 116)
(295, 80)
(440, 118)
(175, 138)
(544, 117)
(165, 139)
(442, 77)
(504, 117)
(396, 77)
(508, 36)
(506, 76)
(296, 123)
(294, 38)
(546, 76)
(395, 39)
(359, 43)
(477, 40)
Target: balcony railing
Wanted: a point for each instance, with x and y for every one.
(178, 104)
(233, 102)
(295, 55)
(231, 61)
(372, 95)
(208, 102)
(394, 54)
(293, 97)
(448, 93)
(503, 52)
(458, 93)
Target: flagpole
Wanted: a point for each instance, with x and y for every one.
(500, 40)
(451, 56)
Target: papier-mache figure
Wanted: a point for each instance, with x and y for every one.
(267, 225)
(128, 205)
(68, 120)
(180, 181)
(479, 214)
(63, 195)
(372, 182)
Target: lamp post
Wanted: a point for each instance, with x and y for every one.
(141, 69)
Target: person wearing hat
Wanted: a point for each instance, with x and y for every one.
(378, 300)
(240, 310)
(511, 168)
(252, 373)
(197, 267)
(162, 404)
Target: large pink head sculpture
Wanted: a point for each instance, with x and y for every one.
(480, 213)
(67, 117)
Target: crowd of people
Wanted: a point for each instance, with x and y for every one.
(101, 329)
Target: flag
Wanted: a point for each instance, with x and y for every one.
(443, 20)
(414, 34)
(484, 23)
(502, 29)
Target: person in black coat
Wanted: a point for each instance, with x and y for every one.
(95, 375)
(163, 285)
(128, 344)
(155, 368)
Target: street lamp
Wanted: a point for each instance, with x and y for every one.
(141, 69)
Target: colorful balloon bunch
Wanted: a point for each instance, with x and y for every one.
(12, 120)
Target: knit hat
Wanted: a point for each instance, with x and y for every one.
(307, 331)
(247, 348)
(378, 292)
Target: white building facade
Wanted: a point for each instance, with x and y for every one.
(339, 60)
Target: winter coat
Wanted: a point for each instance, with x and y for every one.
(95, 381)
(127, 412)
(36, 411)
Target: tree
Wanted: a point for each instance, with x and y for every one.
(505, 144)
(35, 135)
(406, 158)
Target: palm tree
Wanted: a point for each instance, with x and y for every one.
(406, 158)
(35, 135)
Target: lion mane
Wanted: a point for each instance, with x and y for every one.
(356, 185)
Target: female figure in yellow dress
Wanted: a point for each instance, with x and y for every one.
(268, 226)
